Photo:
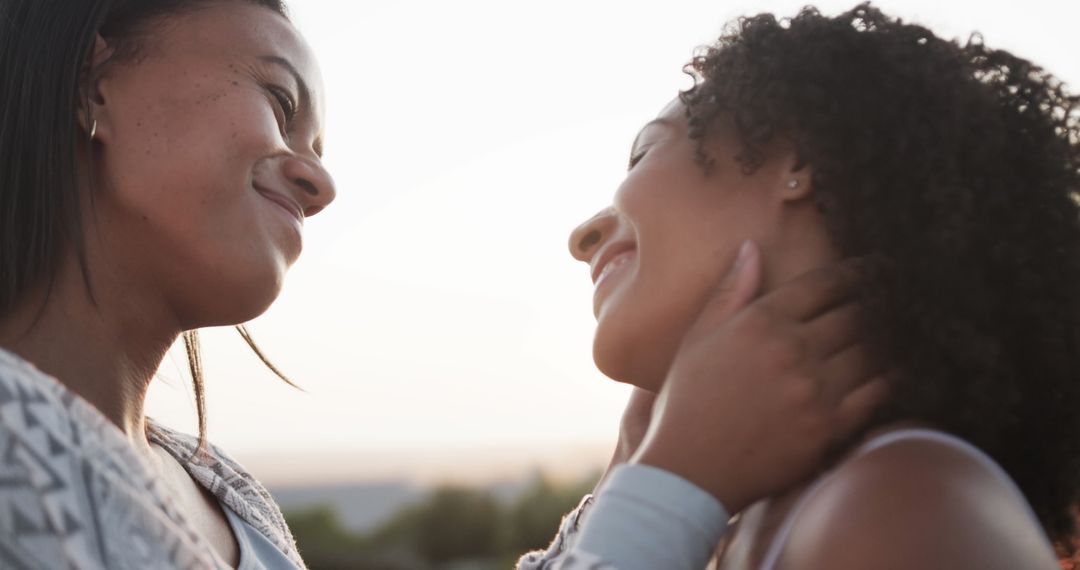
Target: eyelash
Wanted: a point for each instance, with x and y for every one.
(635, 158)
(286, 103)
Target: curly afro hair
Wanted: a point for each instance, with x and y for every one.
(958, 167)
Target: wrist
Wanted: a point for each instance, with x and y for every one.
(712, 478)
(649, 518)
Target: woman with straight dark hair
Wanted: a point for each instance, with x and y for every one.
(158, 159)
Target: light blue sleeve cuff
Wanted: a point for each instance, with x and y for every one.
(646, 518)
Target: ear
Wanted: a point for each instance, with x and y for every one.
(794, 177)
(90, 108)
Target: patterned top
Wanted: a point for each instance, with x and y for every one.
(559, 555)
(75, 494)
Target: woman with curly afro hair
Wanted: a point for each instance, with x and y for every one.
(953, 171)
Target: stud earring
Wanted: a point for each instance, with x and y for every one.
(793, 184)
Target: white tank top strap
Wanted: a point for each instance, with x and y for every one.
(772, 555)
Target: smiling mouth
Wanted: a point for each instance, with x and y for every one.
(284, 203)
(615, 260)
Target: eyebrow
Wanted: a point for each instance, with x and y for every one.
(657, 121)
(305, 93)
(301, 85)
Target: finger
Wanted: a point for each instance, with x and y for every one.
(858, 406)
(745, 278)
(816, 291)
(735, 290)
(834, 331)
(847, 370)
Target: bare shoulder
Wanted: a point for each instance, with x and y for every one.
(916, 503)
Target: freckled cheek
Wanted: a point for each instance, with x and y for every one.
(173, 183)
(251, 117)
(221, 118)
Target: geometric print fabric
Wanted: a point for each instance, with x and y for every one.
(75, 495)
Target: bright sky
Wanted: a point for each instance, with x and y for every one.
(435, 305)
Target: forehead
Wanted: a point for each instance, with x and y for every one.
(671, 118)
(236, 31)
(673, 111)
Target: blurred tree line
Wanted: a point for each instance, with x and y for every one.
(453, 528)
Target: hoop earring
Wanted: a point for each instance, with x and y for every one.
(93, 129)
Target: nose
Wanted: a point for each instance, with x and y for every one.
(587, 238)
(310, 182)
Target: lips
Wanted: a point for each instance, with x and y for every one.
(286, 203)
(609, 258)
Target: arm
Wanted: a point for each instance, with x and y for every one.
(727, 440)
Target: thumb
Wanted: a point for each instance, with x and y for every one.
(736, 289)
(742, 282)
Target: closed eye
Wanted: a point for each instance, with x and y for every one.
(636, 158)
(286, 105)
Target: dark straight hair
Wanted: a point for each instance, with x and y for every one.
(45, 47)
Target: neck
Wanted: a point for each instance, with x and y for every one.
(105, 350)
(801, 245)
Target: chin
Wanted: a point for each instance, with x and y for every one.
(250, 309)
(226, 302)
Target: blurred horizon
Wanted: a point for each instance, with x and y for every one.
(426, 467)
